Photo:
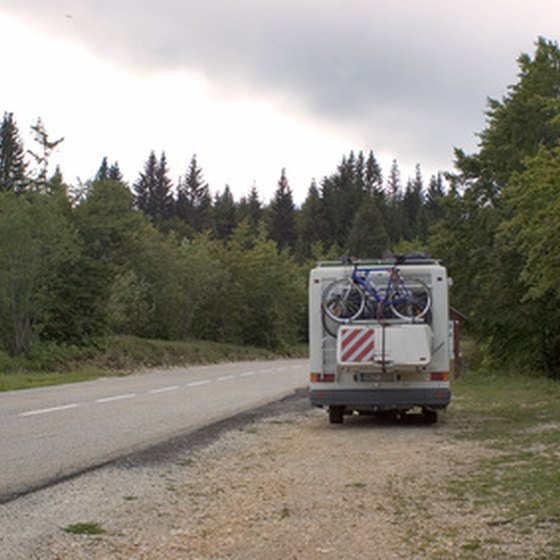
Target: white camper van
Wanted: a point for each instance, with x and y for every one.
(379, 337)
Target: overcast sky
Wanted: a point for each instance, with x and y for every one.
(254, 86)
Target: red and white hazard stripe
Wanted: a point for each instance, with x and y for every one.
(356, 345)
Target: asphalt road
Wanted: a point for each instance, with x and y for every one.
(53, 433)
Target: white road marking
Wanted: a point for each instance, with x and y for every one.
(163, 389)
(198, 383)
(156, 391)
(47, 410)
(116, 398)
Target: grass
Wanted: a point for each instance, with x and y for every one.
(50, 364)
(518, 418)
(85, 529)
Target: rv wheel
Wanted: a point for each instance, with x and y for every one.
(336, 414)
(430, 415)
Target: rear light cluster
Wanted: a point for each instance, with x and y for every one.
(322, 377)
(439, 376)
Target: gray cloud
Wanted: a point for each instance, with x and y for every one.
(411, 76)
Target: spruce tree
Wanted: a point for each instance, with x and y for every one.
(342, 195)
(250, 210)
(282, 215)
(311, 223)
(161, 201)
(145, 184)
(367, 237)
(224, 214)
(153, 189)
(373, 177)
(194, 202)
(12, 156)
(393, 214)
(115, 173)
(412, 205)
(103, 171)
(434, 198)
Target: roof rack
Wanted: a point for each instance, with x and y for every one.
(400, 260)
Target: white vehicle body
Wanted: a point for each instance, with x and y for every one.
(380, 365)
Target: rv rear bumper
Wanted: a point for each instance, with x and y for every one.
(381, 398)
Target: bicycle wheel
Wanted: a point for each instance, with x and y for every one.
(343, 301)
(410, 299)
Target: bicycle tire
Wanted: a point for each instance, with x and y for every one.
(343, 301)
(411, 300)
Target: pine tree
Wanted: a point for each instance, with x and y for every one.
(145, 184)
(434, 198)
(311, 223)
(194, 202)
(393, 215)
(161, 201)
(115, 173)
(282, 215)
(373, 177)
(103, 171)
(342, 195)
(224, 214)
(250, 210)
(12, 156)
(153, 189)
(367, 237)
(412, 205)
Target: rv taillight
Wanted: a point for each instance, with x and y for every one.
(439, 376)
(322, 377)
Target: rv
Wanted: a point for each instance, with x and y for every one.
(379, 338)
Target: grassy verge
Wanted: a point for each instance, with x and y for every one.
(518, 417)
(120, 355)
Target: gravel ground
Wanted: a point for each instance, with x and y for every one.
(283, 485)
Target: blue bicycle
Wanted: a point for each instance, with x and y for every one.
(370, 292)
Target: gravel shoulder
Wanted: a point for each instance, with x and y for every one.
(282, 485)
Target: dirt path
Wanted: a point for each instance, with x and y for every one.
(287, 487)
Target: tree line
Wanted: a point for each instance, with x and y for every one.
(159, 259)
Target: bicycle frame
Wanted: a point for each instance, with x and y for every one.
(395, 278)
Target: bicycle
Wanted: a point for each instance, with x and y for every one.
(345, 300)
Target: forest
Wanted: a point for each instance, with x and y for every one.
(154, 259)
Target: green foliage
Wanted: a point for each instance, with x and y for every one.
(532, 223)
(194, 202)
(367, 237)
(498, 237)
(282, 215)
(12, 162)
(258, 294)
(224, 214)
(36, 243)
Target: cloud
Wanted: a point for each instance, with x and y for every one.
(408, 77)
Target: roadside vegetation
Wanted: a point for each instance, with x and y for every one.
(52, 364)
